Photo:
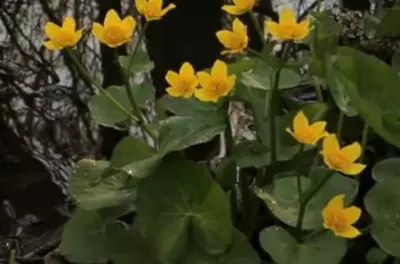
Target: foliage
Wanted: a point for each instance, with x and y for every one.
(304, 174)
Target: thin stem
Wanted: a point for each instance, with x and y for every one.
(259, 55)
(364, 140)
(135, 50)
(318, 90)
(307, 197)
(339, 126)
(257, 26)
(85, 74)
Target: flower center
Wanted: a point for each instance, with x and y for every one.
(152, 10)
(306, 135)
(64, 38)
(338, 160)
(114, 34)
(338, 221)
(184, 86)
(217, 87)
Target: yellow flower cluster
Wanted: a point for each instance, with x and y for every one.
(336, 217)
(213, 85)
(114, 32)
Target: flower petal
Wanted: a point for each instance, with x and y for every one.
(188, 93)
(286, 16)
(204, 79)
(350, 232)
(51, 30)
(352, 213)
(219, 70)
(336, 202)
(206, 95)
(230, 83)
(300, 122)
(272, 28)
(78, 36)
(227, 38)
(233, 10)
(330, 144)
(301, 30)
(174, 92)
(69, 24)
(140, 5)
(167, 9)
(239, 28)
(187, 72)
(98, 31)
(50, 45)
(173, 78)
(354, 169)
(156, 4)
(112, 18)
(352, 152)
(244, 4)
(128, 24)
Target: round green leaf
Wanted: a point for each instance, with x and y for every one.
(285, 249)
(140, 62)
(283, 198)
(387, 169)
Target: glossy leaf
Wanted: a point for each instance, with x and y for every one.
(140, 62)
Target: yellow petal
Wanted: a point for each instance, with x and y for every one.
(354, 169)
(239, 28)
(352, 214)
(286, 16)
(350, 232)
(129, 24)
(156, 4)
(330, 144)
(336, 202)
(167, 9)
(230, 84)
(50, 45)
(98, 31)
(140, 5)
(227, 38)
(112, 18)
(300, 122)
(233, 10)
(244, 4)
(51, 30)
(272, 28)
(174, 92)
(187, 71)
(188, 93)
(318, 130)
(173, 78)
(301, 30)
(204, 79)
(219, 70)
(69, 24)
(206, 95)
(78, 36)
(352, 152)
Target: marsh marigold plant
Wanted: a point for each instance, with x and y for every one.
(62, 37)
(341, 159)
(115, 32)
(182, 84)
(153, 9)
(239, 7)
(215, 85)
(288, 29)
(339, 219)
(235, 40)
(305, 133)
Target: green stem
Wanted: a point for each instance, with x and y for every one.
(307, 197)
(364, 140)
(257, 26)
(135, 50)
(318, 90)
(85, 74)
(339, 126)
(259, 55)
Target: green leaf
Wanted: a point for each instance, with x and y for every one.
(284, 249)
(187, 107)
(251, 154)
(383, 204)
(92, 191)
(241, 66)
(180, 132)
(337, 87)
(260, 77)
(373, 90)
(106, 113)
(283, 199)
(396, 62)
(140, 62)
(239, 252)
(376, 256)
(225, 173)
(388, 26)
(181, 201)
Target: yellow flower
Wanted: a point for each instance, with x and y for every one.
(115, 31)
(288, 29)
(239, 7)
(152, 9)
(339, 219)
(183, 84)
(235, 40)
(305, 133)
(341, 159)
(216, 84)
(62, 37)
